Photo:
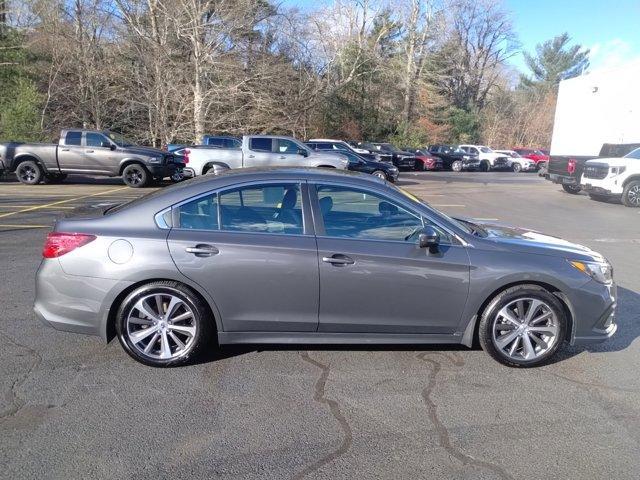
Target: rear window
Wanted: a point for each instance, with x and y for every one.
(73, 138)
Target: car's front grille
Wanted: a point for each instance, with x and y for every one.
(597, 171)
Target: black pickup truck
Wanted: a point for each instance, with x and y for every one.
(567, 170)
(87, 152)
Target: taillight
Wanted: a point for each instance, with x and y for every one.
(571, 166)
(186, 155)
(59, 243)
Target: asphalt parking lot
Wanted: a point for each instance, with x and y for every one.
(72, 407)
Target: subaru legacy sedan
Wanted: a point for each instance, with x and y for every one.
(315, 256)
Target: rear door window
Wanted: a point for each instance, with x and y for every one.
(260, 144)
(73, 138)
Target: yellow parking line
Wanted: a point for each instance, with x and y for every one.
(8, 225)
(62, 201)
(4, 205)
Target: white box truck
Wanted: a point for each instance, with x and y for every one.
(597, 117)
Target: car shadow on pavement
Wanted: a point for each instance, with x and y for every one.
(627, 318)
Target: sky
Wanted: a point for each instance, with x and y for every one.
(609, 28)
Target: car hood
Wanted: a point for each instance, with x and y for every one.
(524, 240)
(144, 151)
(381, 165)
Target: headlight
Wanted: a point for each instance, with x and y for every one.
(601, 272)
(466, 157)
(617, 170)
(155, 160)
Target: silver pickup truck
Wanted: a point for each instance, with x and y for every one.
(87, 152)
(257, 151)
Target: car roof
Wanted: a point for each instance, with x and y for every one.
(325, 140)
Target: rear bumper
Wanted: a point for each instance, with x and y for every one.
(563, 179)
(74, 303)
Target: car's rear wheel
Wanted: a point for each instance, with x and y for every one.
(572, 189)
(516, 167)
(379, 174)
(456, 166)
(29, 172)
(631, 194)
(136, 176)
(163, 324)
(524, 326)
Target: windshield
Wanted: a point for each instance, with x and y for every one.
(390, 148)
(119, 139)
(485, 150)
(633, 154)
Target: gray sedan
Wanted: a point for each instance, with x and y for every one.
(315, 256)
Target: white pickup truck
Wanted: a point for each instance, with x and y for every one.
(617, 177)
(256, 151)
(489, 159)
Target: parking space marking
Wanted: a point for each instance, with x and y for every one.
(5, 205)
(8, 225)
(40, 207)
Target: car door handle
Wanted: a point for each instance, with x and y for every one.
(89, 151)
(252, 156)
(338, 259)
(282, 157)
(64, 149)
(202, 250)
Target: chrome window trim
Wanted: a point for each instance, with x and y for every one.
(301, 183)
(406, 205)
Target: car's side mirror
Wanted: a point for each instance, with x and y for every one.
(429, 238)
(303, 152)
(109, 145)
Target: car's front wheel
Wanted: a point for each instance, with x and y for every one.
(631, 194)
(163, 324)
(380, 174)
(456, 166)
(516, 167)
(524, 326)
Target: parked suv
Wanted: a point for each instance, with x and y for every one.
(616, 177)
(324, 144)
(88, 152)
(400, 158)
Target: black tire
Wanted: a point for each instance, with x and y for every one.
(456, 165)
(489, 316)
(201, 319)
(541, 166)
(631, 194)
(29, 172)
(485, 166)
(380, 174)
(54, 178)
(516, 167)
(572, 189)
(419, 166)
(136, 176)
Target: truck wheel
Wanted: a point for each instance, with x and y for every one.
(456, 166)
(631, 194)
(135, 176)
(516, 167)
(572, 189)
(29, 172)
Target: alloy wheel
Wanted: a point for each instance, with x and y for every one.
(134, 177)
(379, 174)
(27, 173)
(161, 326)
(633, 195)
(525, 329)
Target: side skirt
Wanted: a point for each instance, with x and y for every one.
(318, 338)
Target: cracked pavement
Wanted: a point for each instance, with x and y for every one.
(72, 407)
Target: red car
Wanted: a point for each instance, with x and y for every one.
(425, 161)
(537, 156)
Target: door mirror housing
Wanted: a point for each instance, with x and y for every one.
(429, 238)
(108, 145)
(303, 152)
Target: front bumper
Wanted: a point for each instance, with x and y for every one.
(601, 186)
(392, 176)
(471, 164)
(405, 162)
(163, 171)
(593, 309)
